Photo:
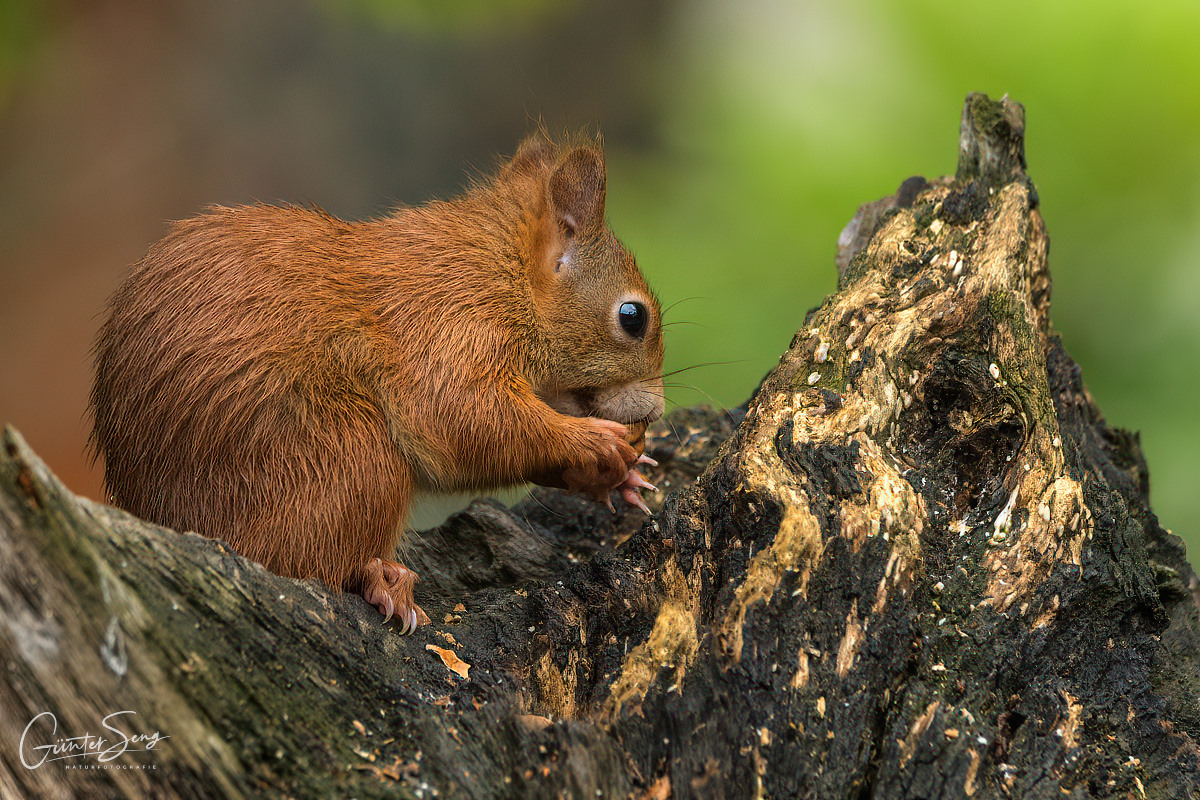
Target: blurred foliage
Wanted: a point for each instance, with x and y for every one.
(785, 116)
(22, 25)
(450, 17)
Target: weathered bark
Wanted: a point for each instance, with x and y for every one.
(921, 566)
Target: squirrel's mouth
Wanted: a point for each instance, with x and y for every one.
(639, 401)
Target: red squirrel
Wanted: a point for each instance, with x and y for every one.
(287, 380)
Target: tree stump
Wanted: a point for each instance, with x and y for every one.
(917, 564)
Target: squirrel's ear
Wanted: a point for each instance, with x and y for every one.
(577, 191)
(533, 154)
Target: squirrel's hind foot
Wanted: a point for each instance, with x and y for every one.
(388, 585)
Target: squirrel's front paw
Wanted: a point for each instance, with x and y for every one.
(603, 461)
(609, 465)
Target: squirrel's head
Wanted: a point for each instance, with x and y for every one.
(598, 325)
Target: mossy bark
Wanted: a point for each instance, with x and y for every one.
(920, 566)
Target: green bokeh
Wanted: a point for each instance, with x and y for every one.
(22, 24)
(456, 18)
(786, 116)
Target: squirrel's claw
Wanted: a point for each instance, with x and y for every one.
(386, 607)
(630, 495)
(388, 586)
(634, 479)
(631, 486)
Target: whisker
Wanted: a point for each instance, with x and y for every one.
(705, 364)
(533, 496)
(711, 399)
(663, 313)
(675, 433)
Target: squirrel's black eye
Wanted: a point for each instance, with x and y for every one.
(633, 319)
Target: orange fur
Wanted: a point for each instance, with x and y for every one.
(287, 380)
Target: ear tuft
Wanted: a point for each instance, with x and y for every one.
(577, 188)
(535, 153)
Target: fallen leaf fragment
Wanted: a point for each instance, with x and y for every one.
(659, 790)
(451, 660)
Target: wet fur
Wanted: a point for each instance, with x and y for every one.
(287, 380)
